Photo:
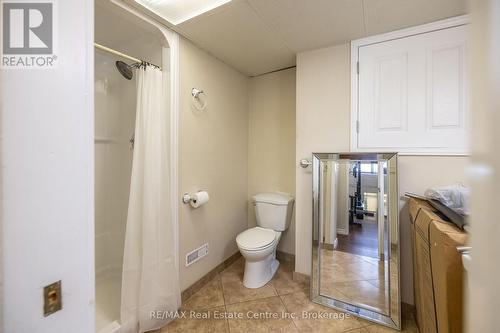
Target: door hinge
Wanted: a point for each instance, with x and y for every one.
(357, 126)
(357, 67)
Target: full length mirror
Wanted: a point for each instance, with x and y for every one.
(355, 235)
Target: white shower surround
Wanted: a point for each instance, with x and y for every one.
(173, 43)
(169, 63)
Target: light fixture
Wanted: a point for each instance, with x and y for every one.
(178, 11)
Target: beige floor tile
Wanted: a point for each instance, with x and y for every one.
(365, 270)
(358, 330)
(340, 256)
(307, 315)
(355, 279)
(198, 325)
(379, 283)
(363, 292)
(234, 272)
(236, 292)
(272, 311)
(332, 292)
(233, 289)
(332, 274)
(382, 329)
(283, 280)
(228, 289)
(408, 326)
(209, 296)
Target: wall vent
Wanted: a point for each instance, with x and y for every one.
(197, 254)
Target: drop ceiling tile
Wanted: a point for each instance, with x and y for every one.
(237, 36)
(388, 15)
(126, 33)
(311, 24)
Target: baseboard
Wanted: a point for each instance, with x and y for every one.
(342, 231)
(330, 247)
(191, 290)
(408, 310)
(326, 246)
(284, 256)
(301, 278)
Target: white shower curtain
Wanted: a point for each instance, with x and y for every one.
(150, 288)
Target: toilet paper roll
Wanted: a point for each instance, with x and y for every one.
(199, 198)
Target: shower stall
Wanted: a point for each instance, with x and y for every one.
(122, 36)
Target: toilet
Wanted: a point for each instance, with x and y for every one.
(258, 245)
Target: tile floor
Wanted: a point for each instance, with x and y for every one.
(282, 305)
(355, 279)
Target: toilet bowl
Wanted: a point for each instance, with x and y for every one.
(258, 245)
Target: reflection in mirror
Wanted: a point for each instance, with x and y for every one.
(355, 259)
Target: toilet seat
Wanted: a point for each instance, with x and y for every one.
(256, 239)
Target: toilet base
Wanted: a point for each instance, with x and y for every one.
(258, 273)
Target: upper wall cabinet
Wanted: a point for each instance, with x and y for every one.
(409, 90)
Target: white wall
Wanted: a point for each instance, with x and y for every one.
(48, 164)
(343, 200)
(271, 142)
(322, 126)
(323, 122)
(241, 145)
(213, 156)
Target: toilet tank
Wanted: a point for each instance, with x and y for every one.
(273, 210)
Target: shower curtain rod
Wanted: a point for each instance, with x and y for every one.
(123, 55)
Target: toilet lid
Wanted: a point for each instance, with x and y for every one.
(255, 238)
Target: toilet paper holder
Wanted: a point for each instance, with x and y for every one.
(187, 198)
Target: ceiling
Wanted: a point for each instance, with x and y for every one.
(124, 28)
(259, 36)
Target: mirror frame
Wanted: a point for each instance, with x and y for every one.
(392, 320)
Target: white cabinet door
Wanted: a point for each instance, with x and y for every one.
(412, 93)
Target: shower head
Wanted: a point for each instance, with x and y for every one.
(125, 69)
